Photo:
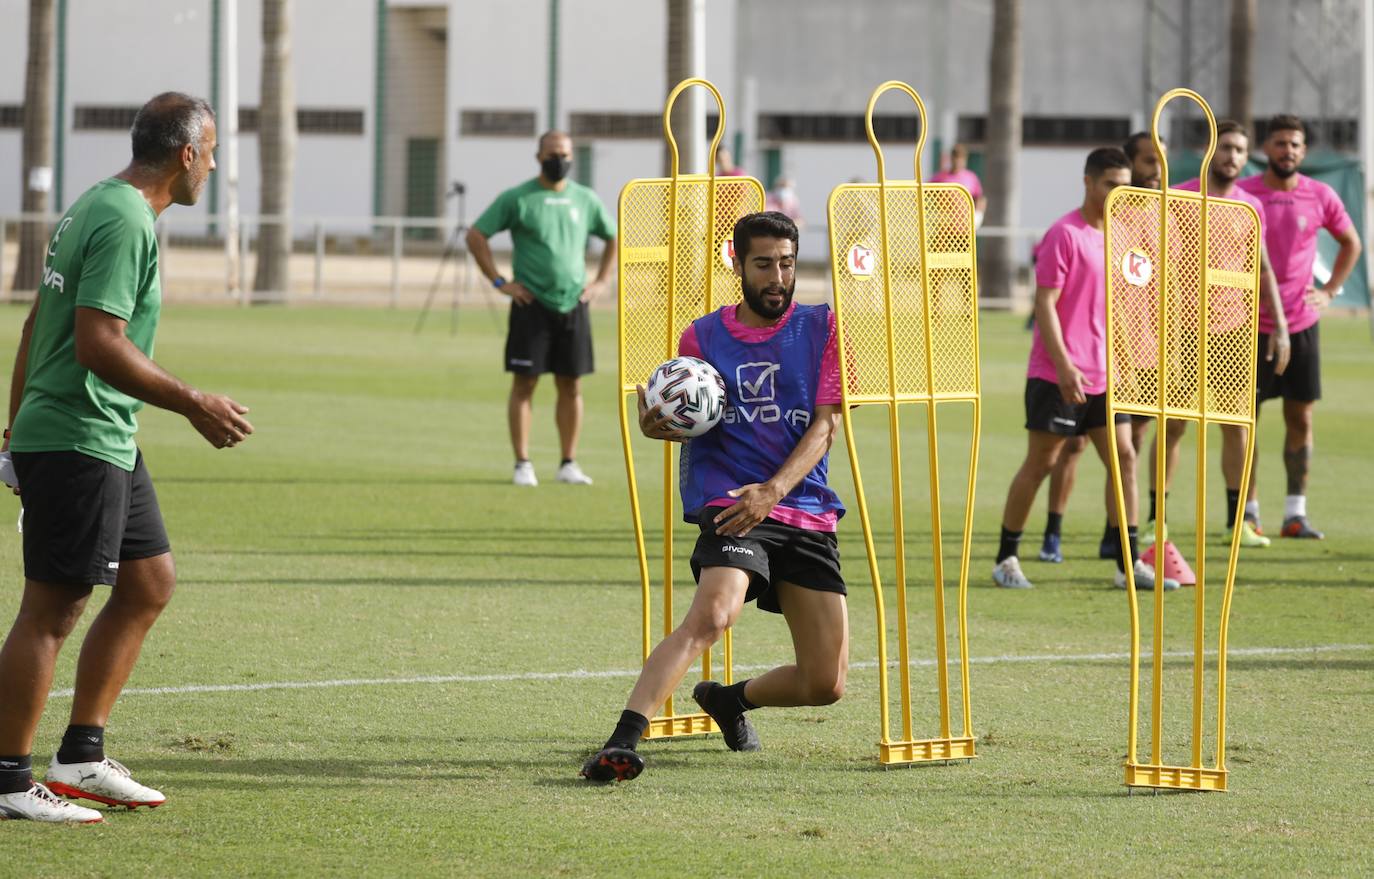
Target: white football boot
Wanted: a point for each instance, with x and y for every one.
(524, 474)
(1144, 578)
(1008, 574)
(107, 781)
(40, 804)
(573, 475)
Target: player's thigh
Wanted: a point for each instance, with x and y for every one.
(75, 511)
(719, 598)
(528, 339)
(819, 623)
(1101, 440)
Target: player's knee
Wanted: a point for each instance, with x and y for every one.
(826, 690)
(1177, 429)
(1126, 457)
(706, 626)
(51, 621)
(522, 386)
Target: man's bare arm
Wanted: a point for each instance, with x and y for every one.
(104, 349)
(756, 500)
(21, 365)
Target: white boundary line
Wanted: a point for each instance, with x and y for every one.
(579, 674)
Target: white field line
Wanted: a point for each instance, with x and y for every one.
(579, 674)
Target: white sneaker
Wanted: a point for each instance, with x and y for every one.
(40, 804)
(1144, 578)
(1008, 574)
(524, 474)
(573, 475)
(107, 781)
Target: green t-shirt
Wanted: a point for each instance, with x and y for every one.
(102, 255)
(549, 230)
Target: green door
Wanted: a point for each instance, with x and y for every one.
(422, 183)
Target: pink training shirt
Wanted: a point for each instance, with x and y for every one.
(1070, 260)
(1228, 310)
(827, 394)
(1291, 221)
(964, 178)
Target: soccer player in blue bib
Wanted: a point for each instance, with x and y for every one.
(756, 486)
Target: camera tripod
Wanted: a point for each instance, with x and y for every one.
(455, 248)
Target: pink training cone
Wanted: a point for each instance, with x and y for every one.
(1175, 565)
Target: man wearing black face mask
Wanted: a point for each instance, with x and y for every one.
(550, 219)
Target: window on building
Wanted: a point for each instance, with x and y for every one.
(496, 123)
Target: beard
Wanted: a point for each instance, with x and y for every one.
(1281, 172)
(753, 297)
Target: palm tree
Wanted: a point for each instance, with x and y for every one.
(276, 148)
(997, 272)
(37, 147)
(1240, 106)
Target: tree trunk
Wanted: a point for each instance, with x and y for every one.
(276, 149)
(679, 67)
(1242, 83)
(997, 270)
(36, 166)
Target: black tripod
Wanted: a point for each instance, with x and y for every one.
(455, 248)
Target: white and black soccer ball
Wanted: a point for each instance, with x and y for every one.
(692, 394)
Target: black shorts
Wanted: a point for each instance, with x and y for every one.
(1047, 410)
(772, 552)
(541, 340)
(1301, 382)
(83, 516)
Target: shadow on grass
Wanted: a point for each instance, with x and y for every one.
(336, 481)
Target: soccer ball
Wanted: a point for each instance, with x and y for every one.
(692, 394)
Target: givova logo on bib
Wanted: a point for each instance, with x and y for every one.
(757, 383)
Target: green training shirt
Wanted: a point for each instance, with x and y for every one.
(103, 254)
(549, 230)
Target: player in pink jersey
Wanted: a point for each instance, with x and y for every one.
(958, 172)
(1232, 152)
(1295, 207)
(1066, 378)
(1145, 173)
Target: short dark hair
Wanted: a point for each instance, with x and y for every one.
(167, 123)
(1132, 145)
(768, 224)
(1231, 126)
(1104, 159)
(1284, 122)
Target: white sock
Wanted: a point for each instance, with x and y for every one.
(1252, 510)
(1294, 505)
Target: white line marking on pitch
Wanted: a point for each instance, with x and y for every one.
(629, 673)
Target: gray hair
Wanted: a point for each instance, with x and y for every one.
(167, 123)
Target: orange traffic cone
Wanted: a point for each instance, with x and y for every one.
(1175, 565)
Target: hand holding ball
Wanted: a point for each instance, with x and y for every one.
(691, 393)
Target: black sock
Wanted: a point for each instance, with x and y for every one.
(1009, 545)
(1232, 505)
(16, 774)
(1133, 536)
(1152, 506)
(628, 731)
(566, 462)
(732, 697)
(1053, 522)
(1111, 535)
(82, 744)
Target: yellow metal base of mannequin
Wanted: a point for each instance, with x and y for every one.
(925, 751)
(680, 725)
(1175, 777)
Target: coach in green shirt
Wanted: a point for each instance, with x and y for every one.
(550, 219)
(91, 517)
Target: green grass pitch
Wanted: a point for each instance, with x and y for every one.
(481, 639)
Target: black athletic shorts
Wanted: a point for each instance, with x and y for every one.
(772, 552)
(83, 516)
(541, 340)
(1302, 380)
(1047, 410)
